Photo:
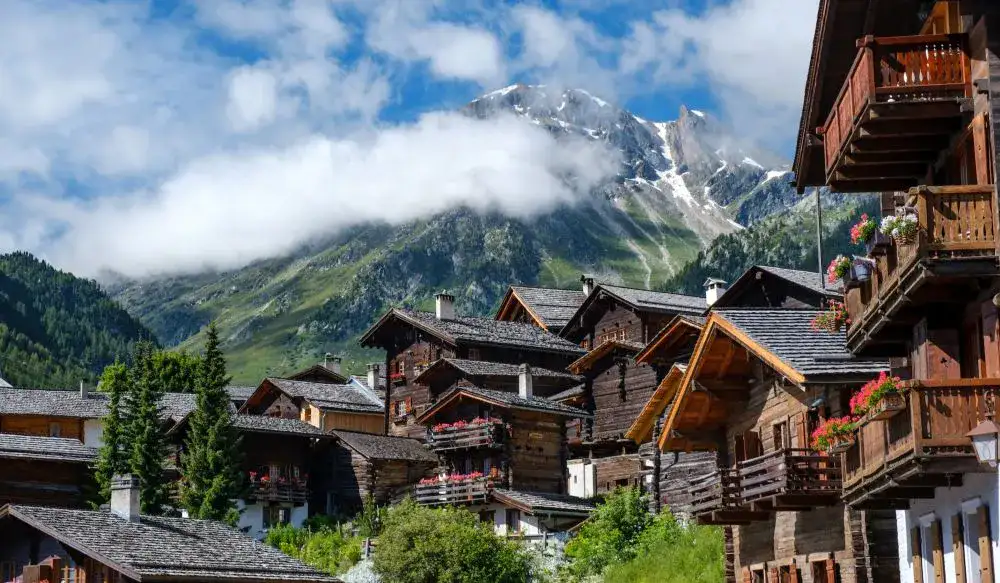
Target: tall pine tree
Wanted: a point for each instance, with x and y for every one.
(146, 435)
(113, 456)
(211, 478)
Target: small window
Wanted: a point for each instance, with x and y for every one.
(55, 430)
(513, 521)
(275, 515)
(474, 354)
(488, 516)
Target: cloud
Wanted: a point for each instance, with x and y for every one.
(223, 211)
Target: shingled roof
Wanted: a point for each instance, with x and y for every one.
(637, 299)
(552, 308)
(384, 447)
(329, 396)
(52, 402)
(789, 336)
(506, 399)
(56, 449)
(807, 279)
(265, 424)
(157, 548)
(482, 368)
(480, 331)
(545, 503)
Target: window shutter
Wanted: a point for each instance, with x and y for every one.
(831, 571)
(747, 578)
(985, 546)
(958, 547)
(793, 573)
(772, 575)
(918, 561)
(937, 552)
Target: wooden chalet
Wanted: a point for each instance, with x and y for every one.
(327, 406)
(504, 454)
(359, 465)
(120, 546)
(54, 471)
(615, 324)
(414, 340)
(549, 309)
(758, 383)
(51, 413)
(901, 100)
(327, 371)
(763, 286)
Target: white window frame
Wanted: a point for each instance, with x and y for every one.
(970, 534)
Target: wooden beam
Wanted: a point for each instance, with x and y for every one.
(726, 360)
(907, 157)
(886, 171)
(868, 186)
(900, 128)
(914, 144)
(915, 111)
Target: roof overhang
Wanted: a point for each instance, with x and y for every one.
(676, 331)
(511, 300)
(603, 349)
(641, 430)
(456, 394)
(506, 500)
(752, 274)
(369, 338)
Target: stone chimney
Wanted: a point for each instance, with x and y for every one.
(524, 383)
(714, 288)
(444, 306)
(331, 362)
(588, 284)
(84, 393)
(373, 376)
(125, 497)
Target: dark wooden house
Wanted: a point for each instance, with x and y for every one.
(359, 465)
(504, 453)
(763, 286)
(759, 382)
(120, 546)
(325, 405)
(615, 324)
(901, 99)
(414, 340)
(51, 413)
(549, 309)
(51, 471)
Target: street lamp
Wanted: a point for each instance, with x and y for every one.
(984, 441)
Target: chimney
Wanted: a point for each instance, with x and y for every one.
(714, 288)
(336, 364)
(444, 306)
(524, 382)
(125, 497)
(373, 376)
(84, 393)
(588, 284)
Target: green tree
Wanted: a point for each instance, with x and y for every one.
(113, 456)
(445, 545)
(326, 549)
(211, 479)
(612, 535)
(670, 553)
(177, 371)
(147, 439)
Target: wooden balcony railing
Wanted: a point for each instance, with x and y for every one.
(715, 492)
(927, 437)
(893, 70)
(474, 491)
(810, 477)
(294, 491)
(955, 223)
(485, 435)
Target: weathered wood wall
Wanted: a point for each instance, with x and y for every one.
(677, 470)
(42, 425)
(44, 483)
(360, 422)
(536, 452)
(615, 409)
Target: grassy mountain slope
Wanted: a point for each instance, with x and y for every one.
(57, 329)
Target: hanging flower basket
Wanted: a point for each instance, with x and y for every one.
(840, 268)
(840, 443)
(861, 269)
(878, 245)
(879, 398)
(902, 227)
(834, 435)
(833, 319)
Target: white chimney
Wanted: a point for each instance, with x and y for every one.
(524, 387)
(588, 284)
(714, 288)
(444, 306)
(336, 364)
(83, 390)
(373, 376)
(125, 497)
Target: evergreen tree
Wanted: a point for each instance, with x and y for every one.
(113, 456)
(177, 371)
(211, 465)
(146, 435)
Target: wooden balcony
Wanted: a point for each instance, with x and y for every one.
(475, 491)
(790, 479)
(486, 435)
(919, 449)
(902, 101)
(715, 499)
(956, 244)
(295, 492)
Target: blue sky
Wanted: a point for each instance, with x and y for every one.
(165, 136)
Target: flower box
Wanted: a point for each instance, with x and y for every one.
(833, 319)
(901, 227)
(834, 435)
(878, 244)
(887, 407)
(840, 443)
(861, 269)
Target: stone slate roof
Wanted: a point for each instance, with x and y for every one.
(384, 447)
(469, 330)
(57, 449)
(516, 401)
(657, 301)
(555, 307)
(569, 393)
(545, 503)
(329, 396)
(52, 402)
(239, 394)
(264, 424)
(482, 368)
(807, 279)
(788, 335)
(166, 548)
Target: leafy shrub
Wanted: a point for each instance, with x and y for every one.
(674, 554)
(325, 549)
(612, 535)
(445, 545)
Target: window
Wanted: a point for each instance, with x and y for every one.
(488, 516)
(513, 521)
(55, 430)
(824, 571)
(307, 414)
(275, 515)
(474, 354)
(781, 437)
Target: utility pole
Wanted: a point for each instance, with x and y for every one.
(819, 238)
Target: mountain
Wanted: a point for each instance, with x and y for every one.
(56, 329)
(680, 185)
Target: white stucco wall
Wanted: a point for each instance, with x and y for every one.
(93, 432)
(582, 481)
(946, 503)
(252, 518)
